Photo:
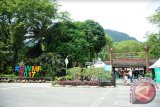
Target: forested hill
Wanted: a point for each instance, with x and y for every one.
(118, 36)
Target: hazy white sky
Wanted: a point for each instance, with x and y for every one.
(128, 16)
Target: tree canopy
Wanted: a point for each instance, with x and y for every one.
(32, 31)
(128, 46)
(153, 41)
(104, 54)
(20, 20)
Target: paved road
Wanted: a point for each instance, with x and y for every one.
(43, 95)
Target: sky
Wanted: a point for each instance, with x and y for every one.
(128, 16)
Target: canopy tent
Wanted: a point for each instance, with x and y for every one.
(156, 64)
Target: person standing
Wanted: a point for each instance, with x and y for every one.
(125, 77)
(124, 73)
(130, 75)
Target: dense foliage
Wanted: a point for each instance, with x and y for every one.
(35, 32)
(128, 46)
(153, 41)
(153, 44)
(104, 54)
(89, 74)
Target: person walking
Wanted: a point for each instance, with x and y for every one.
(130, 75)
(124, 76)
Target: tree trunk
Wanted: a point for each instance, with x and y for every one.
(2, 67)
(15, 57)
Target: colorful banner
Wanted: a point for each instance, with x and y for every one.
(157, 74)
(27, 71)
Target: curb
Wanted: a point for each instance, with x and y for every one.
(83, 86)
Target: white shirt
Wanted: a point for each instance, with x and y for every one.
(130, 72)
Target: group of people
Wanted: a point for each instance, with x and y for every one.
(126, 74)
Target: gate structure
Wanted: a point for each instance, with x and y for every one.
(130, 60)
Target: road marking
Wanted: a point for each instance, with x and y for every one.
(122, 97)
(97, 102)
(122, 103)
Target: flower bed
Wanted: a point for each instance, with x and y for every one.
(82, 83)
(23, 80)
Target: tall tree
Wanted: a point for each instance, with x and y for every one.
(20, 20)
(95, 36)
(153, 40)
(104, 54)
(155, 19)
(68, 39)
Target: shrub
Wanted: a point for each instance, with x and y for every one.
(8, 75)
(57, 78)
(9, 70)
(79, 83)
(82, 83)
(148, 74)
(88, 74)
(68, 77)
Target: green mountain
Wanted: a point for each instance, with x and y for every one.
(118, 36)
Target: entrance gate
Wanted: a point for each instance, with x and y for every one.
(130, 60)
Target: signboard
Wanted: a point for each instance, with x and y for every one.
(108, 68)
(27, 71)
(157, 74)
(66, 61)
(128, 55)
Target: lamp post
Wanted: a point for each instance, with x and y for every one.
(146, 49)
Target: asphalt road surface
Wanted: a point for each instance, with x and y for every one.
(44, 95)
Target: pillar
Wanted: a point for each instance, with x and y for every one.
(146, 49)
